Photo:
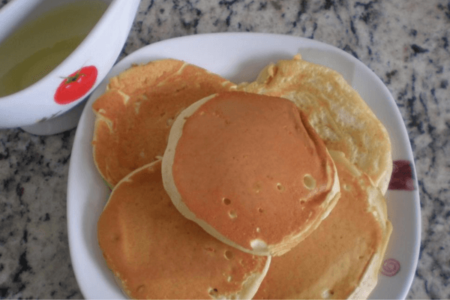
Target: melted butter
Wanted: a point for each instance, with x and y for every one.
(40, 45)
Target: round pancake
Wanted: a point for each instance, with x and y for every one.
(155, 252)
(335, 110)
(134, 116)
(249, 170)
(342, 257)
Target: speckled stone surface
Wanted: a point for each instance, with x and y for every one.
(405, 42)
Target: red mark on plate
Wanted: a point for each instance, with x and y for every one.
(402, 176)
(390, 267)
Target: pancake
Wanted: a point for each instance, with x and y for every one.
(134, 116)
(250, 170)
(342, 257)
(156, 253)
(335, 110)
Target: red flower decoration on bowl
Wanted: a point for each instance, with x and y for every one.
(76, 85)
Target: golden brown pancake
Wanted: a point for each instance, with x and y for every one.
(156, 253)
(335, 110)
(134, 116)
(250, 170)
(342, 257)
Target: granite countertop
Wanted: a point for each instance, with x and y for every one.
(405, 42)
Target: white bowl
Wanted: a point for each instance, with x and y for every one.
(97, 52)
(239, 57)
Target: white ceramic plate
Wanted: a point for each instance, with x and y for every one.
(239, 57)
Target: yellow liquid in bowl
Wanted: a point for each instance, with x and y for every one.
(39, 46)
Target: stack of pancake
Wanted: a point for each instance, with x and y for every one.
(271, 189)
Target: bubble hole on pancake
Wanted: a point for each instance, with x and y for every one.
(135, 114)
(336, 111)
(250, 170)
(154, 252)
(341, 259)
